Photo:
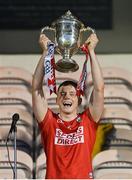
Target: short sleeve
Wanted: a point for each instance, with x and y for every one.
(95, 124)
(46, 119)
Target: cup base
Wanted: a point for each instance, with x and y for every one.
(66, 65)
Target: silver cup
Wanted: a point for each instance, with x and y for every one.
(68, 33)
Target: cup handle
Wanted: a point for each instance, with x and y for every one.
(88, 29)
(49, 32)
(84, 34)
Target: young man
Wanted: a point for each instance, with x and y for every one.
(68, 137)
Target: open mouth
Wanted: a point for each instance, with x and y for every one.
(67, 104)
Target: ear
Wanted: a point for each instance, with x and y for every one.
(79, 101)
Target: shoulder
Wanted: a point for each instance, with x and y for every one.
(86, 114)
(87, 117)
(48, 118)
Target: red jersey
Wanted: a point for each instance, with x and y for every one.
(68, 145)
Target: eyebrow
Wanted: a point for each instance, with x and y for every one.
(69, 91)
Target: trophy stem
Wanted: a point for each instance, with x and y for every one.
(66, 54)
(66, 64)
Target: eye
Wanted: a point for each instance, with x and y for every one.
(62, 93)
(73, 94)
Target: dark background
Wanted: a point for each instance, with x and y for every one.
(22, 20)
(33, 14)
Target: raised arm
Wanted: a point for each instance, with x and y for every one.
(40, 105)
(97, 105)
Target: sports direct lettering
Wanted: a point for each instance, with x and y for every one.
(71, 138)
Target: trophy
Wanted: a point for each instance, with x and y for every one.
(68, 34)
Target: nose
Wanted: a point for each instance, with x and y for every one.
(67, 95)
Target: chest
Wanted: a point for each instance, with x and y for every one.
(68, 133)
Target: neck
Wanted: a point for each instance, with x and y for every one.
(67, 117)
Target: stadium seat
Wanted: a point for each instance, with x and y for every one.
(23, 133)
(24, 164)
(119, 139)
(112, 155)
(25, 117)
(112, 164)
(41, 166)
(17, 97)
(120, 117)
(115, 76)
(114, 170)
(117, 96)
(15, 76)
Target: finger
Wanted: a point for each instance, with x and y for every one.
(88, 41)
(42, 35)
(94, 34)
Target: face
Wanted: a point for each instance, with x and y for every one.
(67, 99)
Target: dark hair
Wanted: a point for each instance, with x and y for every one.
(68, 82)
